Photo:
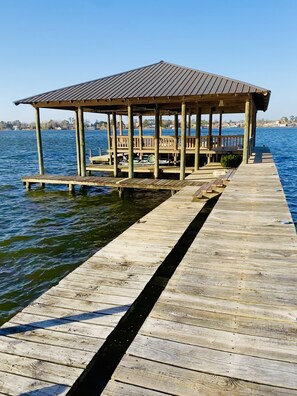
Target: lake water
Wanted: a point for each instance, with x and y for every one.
(44, 234)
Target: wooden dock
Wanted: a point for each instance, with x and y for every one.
(47, 346)
(195, 179)
(226, 322)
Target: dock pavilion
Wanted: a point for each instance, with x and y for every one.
(160, 89)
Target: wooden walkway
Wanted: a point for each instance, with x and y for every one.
(47, 346)
(114, 182)
(195, 179)
(226, 323)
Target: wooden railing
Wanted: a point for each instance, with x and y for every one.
(169, 142)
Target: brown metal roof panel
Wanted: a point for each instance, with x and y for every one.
(208, 90)
(168, 84)
(195, 89)
(227, 87)
(188, 82)
(150, 83)
(195, 84)
(233, 87)
(169, 79)
(178, 85)
(173, 82)
(132, 83)
(203, 87)
(216, 83)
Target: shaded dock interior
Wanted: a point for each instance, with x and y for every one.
(225, 323)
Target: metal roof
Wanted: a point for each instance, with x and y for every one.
(158, 80)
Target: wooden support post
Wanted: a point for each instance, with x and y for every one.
(160, 125)
(220, 123)
(130, 142)
(82, 141)
(121, 191)
(78, 161)
(175, 134)
(115, 145)
(252, 128)
(182, 174)
(157, 142)
(121, 125)
(189, 124)
(39, 143)
(71, 188)
(245, 154)
(140, 136)
(109, 145)
(197, 138)
(209, 138)
(255, 127)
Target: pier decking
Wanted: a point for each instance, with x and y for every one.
(206, 173)
(224, 324)
(46, 347)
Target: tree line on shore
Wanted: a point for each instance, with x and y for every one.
(147, 123)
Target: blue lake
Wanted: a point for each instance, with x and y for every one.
(44, 234)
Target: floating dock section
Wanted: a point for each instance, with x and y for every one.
(225, 322)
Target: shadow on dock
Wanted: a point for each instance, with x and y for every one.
(99, 371)
(44, 324)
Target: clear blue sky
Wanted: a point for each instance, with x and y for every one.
(50, 44)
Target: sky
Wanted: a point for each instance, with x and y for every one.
(52, 44)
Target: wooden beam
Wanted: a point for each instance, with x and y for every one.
(183, 142)
(157, 138)
(197, 138)
(246, 132)
(130, 137)
(39, 142)
(82, 141)
(77, 141)
(115, 145)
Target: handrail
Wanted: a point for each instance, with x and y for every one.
(170, 143)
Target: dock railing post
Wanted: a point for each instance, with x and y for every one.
(77, 144)
(245, 154)
(197, 138)
(82, 141)
(115, 145)
(140, 136)
(130, 141)
(183, 143)
(109, 142)
(157, 142)
(39, 143)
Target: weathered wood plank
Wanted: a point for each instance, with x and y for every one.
(38, 369)
(263, 371)
(278, 349)
(16, 385)
(174, 380)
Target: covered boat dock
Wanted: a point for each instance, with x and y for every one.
(158, 90)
